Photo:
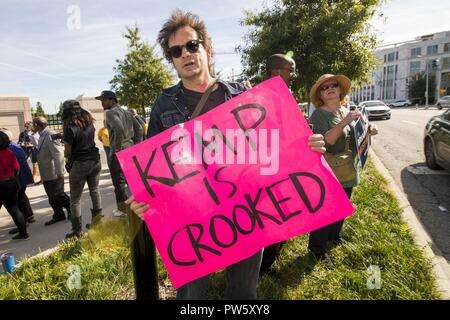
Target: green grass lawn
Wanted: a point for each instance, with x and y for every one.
(377, 237)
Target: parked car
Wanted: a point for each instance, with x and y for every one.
(437, 141)
(400, 103)
(376, 109)
(443, 102)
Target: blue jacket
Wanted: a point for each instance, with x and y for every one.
(170, 107)
(25, 177)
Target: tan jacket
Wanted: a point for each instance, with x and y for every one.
(50, 156)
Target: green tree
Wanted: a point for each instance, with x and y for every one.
(139, 78)
(39, 110)
(60, 110)
(325, 36)
(417, 86)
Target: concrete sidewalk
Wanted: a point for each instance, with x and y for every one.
(46, 237)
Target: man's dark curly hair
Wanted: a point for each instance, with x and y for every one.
(180, 19)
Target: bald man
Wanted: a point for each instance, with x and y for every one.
(277, 65)
(281, 65)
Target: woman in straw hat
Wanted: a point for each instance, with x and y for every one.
(333, 121)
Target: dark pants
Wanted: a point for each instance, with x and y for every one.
(270, 255)
(80, 173)
(108, 156)
(318, 238)
(24, 204)
(242, 280)
(118, 179)
(27, 151)
(57, 198)
(34, 156)
(9, 197)
(143, 258)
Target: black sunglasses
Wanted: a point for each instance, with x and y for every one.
(329, 86)
(191, 46)
(291, 71)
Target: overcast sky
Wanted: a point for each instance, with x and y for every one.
(44, 55)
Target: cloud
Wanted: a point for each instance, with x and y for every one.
(41, 57)
(29, 70)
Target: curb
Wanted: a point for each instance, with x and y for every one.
(441, 268)
(39, 255)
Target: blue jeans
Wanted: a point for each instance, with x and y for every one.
(242, 279)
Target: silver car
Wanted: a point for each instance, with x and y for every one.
(443, 102)
(376, 109)
(400, 103)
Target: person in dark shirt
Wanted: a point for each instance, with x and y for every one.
(9, 187)
(277, 65)
(83, 162)
(25, 139)
(187, 45)
(24, 179)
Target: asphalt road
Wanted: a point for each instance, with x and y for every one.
(399, 145)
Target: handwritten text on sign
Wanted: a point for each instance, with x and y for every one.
(206, 215)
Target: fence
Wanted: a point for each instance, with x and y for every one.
(54, 122)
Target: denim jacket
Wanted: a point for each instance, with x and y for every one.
(170, 107)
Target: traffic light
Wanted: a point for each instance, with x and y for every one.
(435, 64)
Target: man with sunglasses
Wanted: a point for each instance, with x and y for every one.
(277, 65)
(281, 65)
(186, 44)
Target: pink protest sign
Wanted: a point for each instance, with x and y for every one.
(231, 182)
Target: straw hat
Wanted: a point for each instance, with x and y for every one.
(343, 81)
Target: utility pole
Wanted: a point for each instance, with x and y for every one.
(437, 73)
(426, 86)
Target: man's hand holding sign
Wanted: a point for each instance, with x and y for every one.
(234, 180)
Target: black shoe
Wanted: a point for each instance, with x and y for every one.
(96, 218)
(325, 257)
(53, 221)
(73, 235)
(31, 220)
(337, 242)
(21, 237)
(14, 231)
(271, 271)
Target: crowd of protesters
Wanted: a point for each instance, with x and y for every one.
(52, 154)
(187, 46)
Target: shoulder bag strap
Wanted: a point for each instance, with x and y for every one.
(202, 102)
(347, 140)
